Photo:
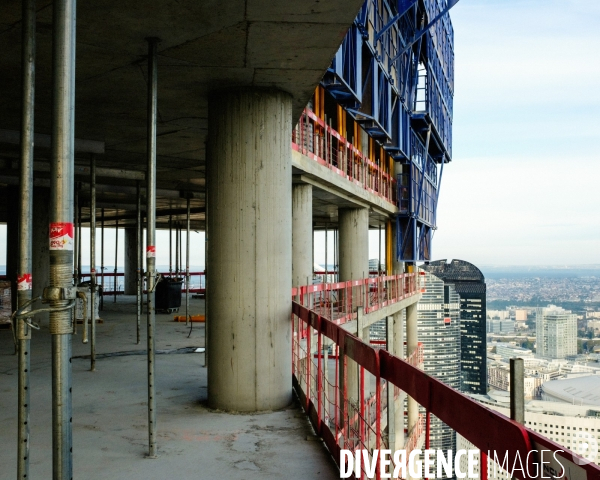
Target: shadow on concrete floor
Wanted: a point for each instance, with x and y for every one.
(110, 417)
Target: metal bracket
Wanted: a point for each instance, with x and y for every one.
(50, 294)
(157, 279)
(56, 294)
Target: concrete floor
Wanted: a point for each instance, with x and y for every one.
(109, 413)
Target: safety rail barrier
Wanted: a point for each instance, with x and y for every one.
(112, 283)
(315, 139)
(339, 301)
(416, 358)
(353, 420)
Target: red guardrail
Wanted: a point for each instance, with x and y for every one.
(109, 283)
(339, 301)
(355, 423)
(318, 141)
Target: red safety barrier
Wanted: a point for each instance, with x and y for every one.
(347, 420)
(197, 285)
(338, 301)
(318, 141)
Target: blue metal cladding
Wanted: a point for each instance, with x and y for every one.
(397, 80)
(344, 78)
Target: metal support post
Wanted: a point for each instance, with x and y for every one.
(151, 237)
(170, 245)
(76, 246)
(141, 250)
(61, 231)
(102, 258)
(187, 267)
(335, 259)
(138, 241)
(92, 262)
(116, 256)
(79, 262)
(180, 249)
(177, 238)
(325, 279)
(379, 260)
(24, 280)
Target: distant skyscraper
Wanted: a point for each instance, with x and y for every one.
(439, 331)
(469, 283)
(556, 332)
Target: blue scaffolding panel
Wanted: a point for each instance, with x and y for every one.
(394, 73)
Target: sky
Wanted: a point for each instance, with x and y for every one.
(523, 185)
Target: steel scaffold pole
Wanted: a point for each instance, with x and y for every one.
(61, 232)
(151, 238)
(92, 262)
(24, 283)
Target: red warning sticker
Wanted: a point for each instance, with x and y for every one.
(151, 251)
(24, 282)
(61, 236)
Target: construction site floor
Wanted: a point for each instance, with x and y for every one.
(110, 439)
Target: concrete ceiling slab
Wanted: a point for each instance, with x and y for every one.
(205, 45)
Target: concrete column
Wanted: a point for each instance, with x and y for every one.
(130, 261)
(398, 338)
(40, 246)
(398, 351)
(412, 343)
(354, 243)
(354, 265)
(249, 255)
(302, 235)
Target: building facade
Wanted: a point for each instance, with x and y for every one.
(469, 284)
(500, 326)
(439, 332)
(556, 332)
(575, 427)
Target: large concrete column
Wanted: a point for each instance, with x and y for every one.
(398, 343)
(354, 265)
(249, 255)
(40, 258)
(412, 343)
(354, 243)
(130, 261)
(302, 235)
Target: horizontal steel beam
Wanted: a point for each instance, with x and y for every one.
(41, 140)
(10, 179)
(163, 212)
